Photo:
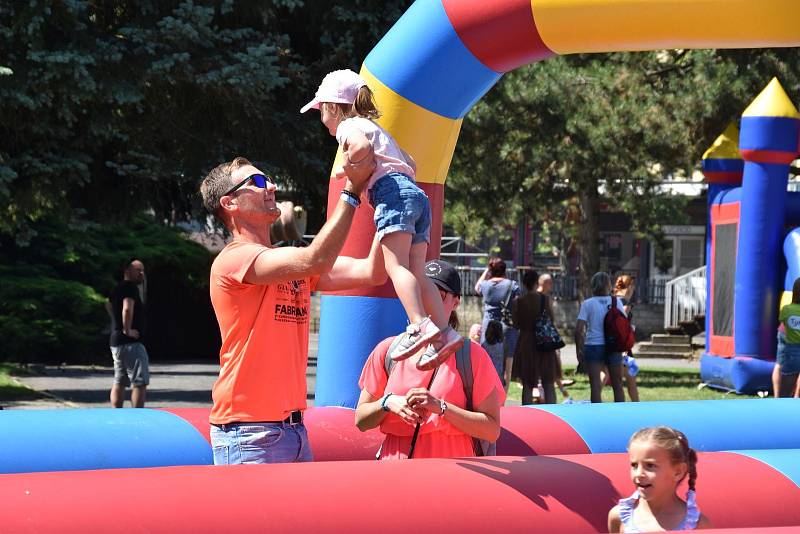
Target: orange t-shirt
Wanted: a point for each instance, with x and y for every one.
(437, 437)
(264, 332)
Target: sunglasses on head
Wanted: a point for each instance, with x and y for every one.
(259, 180)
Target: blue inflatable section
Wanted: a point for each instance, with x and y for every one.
(350, 327)
(775, 134)
(731, 195)
(76, 440)
(758, 284)
(721, 165)
(423, 59)
(709, 425)
(740, 374)
(791, 250)
(784, 461)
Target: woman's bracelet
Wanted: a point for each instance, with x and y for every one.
(384, 406)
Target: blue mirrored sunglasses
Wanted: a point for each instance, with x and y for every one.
(259, 180)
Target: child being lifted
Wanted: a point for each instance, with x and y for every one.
(402, 211)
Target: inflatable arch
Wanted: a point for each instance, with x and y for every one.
(442, 56)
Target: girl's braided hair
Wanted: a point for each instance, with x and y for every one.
(675, 443)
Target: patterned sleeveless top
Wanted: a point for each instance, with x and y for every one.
(626, 507)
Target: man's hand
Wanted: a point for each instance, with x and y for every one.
(132, 332)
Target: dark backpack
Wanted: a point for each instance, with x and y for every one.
(617, 329)
(464, 366)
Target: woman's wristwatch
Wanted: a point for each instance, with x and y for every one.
(443, 407)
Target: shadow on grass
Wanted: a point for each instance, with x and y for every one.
(12, 392)
(10, 389)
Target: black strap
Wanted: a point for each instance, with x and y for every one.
(508, 295)
(416, 430)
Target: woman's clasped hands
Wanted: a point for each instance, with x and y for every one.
(415, 406)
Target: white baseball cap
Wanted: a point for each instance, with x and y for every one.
(339, 86)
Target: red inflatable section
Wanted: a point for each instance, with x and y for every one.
(531, 432)
(507, 494)
(334, 436)
(500, 33)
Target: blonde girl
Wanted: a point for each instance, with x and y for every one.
(402, 211)
(660, 458)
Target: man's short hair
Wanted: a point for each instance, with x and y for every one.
(216, 184)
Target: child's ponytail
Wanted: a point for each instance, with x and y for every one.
(365, 106)
(690, 456)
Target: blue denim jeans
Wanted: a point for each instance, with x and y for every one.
(599, 354)
(401, 206)
(260, 443)
(788, 356)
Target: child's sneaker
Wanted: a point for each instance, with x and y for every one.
(441, 349)
(633, 367)
(416, 336)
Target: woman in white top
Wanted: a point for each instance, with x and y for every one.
(590, 339)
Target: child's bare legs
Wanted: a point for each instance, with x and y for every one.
(431, 299)
(788, 384)
(595, 370)
(615, 374)
(449, 341)
(630, 383)
(397, 258)
(776, 380)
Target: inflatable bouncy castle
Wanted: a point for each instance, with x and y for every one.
(561, 468)
(752, 262)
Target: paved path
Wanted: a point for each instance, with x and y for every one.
(186, 383)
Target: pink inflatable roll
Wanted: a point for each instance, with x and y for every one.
(507, 494)
(334, 436)
(332, 432)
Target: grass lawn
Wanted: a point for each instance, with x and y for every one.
(10, 389)
(654, 385)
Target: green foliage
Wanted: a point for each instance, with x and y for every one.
(53, 292)
(118, 106)
(47, 319)
(554, 140)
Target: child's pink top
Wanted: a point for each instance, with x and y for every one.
(437, 438)
(388, 156)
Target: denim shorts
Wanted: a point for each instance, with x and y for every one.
(131, 365)
(598, 354)
(260, 443)
(789, 358)
(401, 206)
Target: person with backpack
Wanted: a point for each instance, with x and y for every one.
(499, 294)
(602, 335)
(447, 412)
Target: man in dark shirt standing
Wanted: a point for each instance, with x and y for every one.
(131, 366)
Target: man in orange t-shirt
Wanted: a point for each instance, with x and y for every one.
(261, 296)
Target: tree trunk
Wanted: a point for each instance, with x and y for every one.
(587, 236)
